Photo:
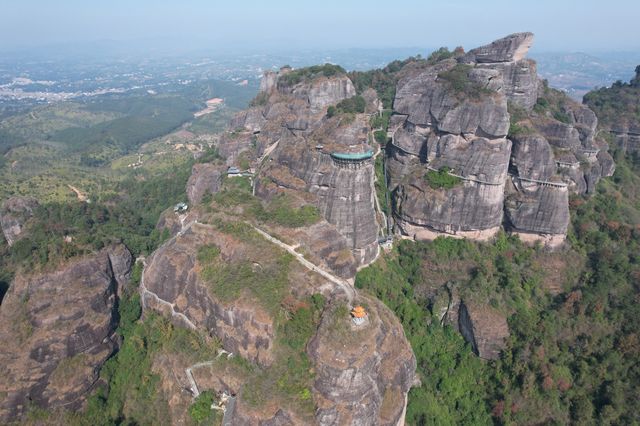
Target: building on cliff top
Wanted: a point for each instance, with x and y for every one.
(233, 172)
(358, 315)
(180, 208)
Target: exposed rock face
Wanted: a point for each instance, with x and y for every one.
(344, 195)
(511, 48)
(57, 330)
(542, 209)
(204, 179)
(323, 92)
(520, 82)
(14, 212)
(627, 138)
(292, 128)
(484, 328)
(171, 278)
(444, 128)
(378, 371)
(363, 381)
(441, 125)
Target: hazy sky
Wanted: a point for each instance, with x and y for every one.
(558, 24)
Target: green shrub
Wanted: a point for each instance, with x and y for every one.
(381, 121)
(562, 117)
(280, 212)
(441, 179)
(207, 254)
(458, 79)
(305, 74)
(440, 55)
(380, 136)
(200, 410)
(381, 185)
(210, 155)
(355, 104)
(267, 282)
(542, 105)
(516, 130)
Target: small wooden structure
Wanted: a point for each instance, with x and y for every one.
(358, 315)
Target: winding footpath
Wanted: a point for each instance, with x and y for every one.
(145, 292)
(384, 227)
(347, 288)
(229, 407)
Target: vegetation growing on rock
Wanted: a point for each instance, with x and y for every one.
(353, 105)
(618, 103)
(200, 411)
(383, 81)
(304, 74)
(458, 79)
(441, 179)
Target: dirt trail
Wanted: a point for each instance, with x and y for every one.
(81, 196)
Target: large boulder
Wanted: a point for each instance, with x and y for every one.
(363, 373)
(57, 329)
(204, 179)
(484, 328)
(379, 369)
(14, 212)
(172, 284)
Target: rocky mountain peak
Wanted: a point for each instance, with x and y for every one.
(511, 48)
(506, 141)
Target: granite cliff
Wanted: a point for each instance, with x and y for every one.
(295, 141)
(514, 148)
(57, 330)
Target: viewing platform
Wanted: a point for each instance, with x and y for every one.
(351, 160)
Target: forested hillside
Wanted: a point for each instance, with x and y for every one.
(574, 347)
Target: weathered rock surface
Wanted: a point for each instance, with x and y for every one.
(627, 138)
(542, 210)
(57, 330)
(445, 128)
(484, 328)
(172, 285)
(379, 370)
(511, 48)
(552, 150)
(362, 374)
(291, 125)
(14, 212)
(204, 179)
